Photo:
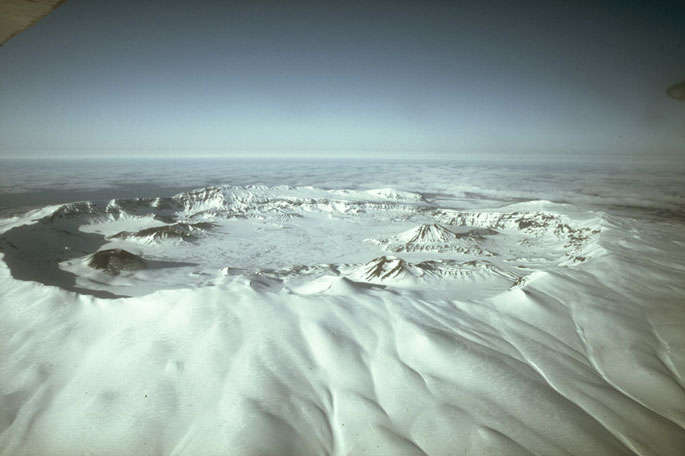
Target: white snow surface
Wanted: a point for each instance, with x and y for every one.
(301, 320)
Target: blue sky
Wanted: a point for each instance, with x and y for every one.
(438, 79)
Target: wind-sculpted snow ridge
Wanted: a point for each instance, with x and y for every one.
(302, 321)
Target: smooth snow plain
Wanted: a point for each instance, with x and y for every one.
(400, 309)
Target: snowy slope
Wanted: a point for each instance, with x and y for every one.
(274, 320)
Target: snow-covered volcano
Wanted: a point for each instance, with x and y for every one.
(432, 233)
(433, 237)
(191, 236)
(302, 320)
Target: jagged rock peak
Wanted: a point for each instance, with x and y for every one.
(384, 267)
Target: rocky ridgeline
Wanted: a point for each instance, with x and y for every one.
(258, 201)
(388, 269)
(534, 224)
(177, 231)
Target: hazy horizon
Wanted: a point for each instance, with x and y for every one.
(381, 80)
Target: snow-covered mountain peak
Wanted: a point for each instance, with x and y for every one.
(434, 237)
(428, 233)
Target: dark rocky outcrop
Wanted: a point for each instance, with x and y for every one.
(114, 261)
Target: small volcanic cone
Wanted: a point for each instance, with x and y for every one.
(115, 260)
(429, 234)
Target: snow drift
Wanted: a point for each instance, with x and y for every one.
(274, 320)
